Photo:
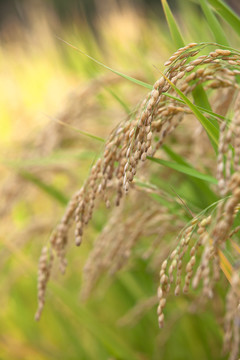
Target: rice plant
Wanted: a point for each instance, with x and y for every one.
(210, 77)
(157, 214)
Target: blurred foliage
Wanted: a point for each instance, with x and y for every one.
(42, 161)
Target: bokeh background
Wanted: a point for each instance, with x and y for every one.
(42, 162)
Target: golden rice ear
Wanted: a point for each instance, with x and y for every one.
(44, 271)
(211, 239)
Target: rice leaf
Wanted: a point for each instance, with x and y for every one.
(208, 126)
(227, 14)
(55, 158)
(213, 23)
(135, 81)
(34, 179)
(174, 156)
(161, 196)
(120, 101)
(173, 27)
(48, 189)
(145, 184)
(75, 129)
(200, 187)
(202, 109)
(201, 99)
(199, 94)
(184, 169)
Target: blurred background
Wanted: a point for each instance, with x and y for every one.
(44, 83)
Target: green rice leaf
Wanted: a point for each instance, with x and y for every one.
(208, 126)
(213, 23)
(227, 14)
(58, 157)
(202, 109)
(201, 188)
(201, 99)
(120, 101)
(94, 137)
(173, 27)
(174, 156)
(135, 81)
(184, 169)
(159, 195)
(48, 189)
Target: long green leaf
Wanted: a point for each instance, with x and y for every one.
(178, 40)
(49, 189)
(208, 126)
(203, 109)
(201, 188)
(157, 194)
(213, 23)
(119, 100)
(227, 14)
(176, 157)
(135, 81)
(91, 136)
(200, 98)
(59, 157)
(185, 170)
(173, 27)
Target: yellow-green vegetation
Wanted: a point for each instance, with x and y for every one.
(128, 145)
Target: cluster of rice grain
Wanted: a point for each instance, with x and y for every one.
(211, 235)
(129, 145)
(208, 235)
